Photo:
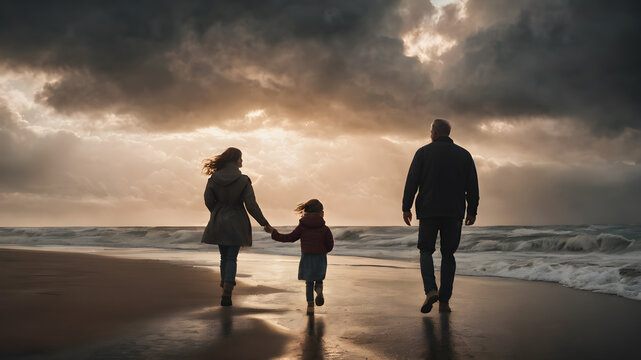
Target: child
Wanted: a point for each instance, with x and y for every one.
(316, 241)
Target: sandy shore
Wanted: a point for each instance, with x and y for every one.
(52, 301)
(76, 306)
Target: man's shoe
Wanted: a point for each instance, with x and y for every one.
(430, 298)
(320, 299)
(444, 307)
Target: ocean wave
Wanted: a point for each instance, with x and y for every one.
(606, 274)
(577, 243)
(591, 257)
(586, 239)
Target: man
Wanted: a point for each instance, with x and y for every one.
(445, 176)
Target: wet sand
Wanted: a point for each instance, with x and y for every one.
(75, 306)
(51, 302)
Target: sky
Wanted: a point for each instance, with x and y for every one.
(107, 109)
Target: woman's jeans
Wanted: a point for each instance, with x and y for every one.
(450, 229)
(228, 256)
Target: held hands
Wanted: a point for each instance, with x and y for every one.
(268, 229)
(407, 217)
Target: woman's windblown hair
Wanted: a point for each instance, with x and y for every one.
(311, 206)
(219, 161)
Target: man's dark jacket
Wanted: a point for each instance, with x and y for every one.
(445, 176)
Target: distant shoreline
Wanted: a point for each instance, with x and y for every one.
(574, 256)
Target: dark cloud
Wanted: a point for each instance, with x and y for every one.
(337, 63)
(545, 78)
(190, 63)
(572, 59)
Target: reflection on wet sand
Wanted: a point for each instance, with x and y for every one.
(438, 348)
(313, 347)
(232, 330)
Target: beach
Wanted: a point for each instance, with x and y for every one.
(57, 305)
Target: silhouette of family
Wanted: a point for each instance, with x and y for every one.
(442, 172)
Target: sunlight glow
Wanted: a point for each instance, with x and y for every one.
(496, 126)
(425, 42)
(426, 46)
(255, 113)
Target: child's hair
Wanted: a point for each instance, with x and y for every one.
(310, 206)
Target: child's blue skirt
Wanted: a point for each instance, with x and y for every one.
(312, 267)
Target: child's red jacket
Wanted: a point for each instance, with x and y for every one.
(315, 237)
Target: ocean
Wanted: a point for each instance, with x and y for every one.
(598, 258)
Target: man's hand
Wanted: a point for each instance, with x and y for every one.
(407, 217)
(470, 220)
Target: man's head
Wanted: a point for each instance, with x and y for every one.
(440, 127)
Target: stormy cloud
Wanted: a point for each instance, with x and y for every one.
(194, 63)
(108, 107)
(560, 59)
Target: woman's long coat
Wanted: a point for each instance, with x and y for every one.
(227, 194)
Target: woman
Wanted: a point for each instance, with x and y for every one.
(229, 227)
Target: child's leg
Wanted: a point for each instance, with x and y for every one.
(320, 299)
(309, 293)
(309, 290)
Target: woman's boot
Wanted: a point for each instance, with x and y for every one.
(227, 289)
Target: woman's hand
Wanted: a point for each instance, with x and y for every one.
(268, 229)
